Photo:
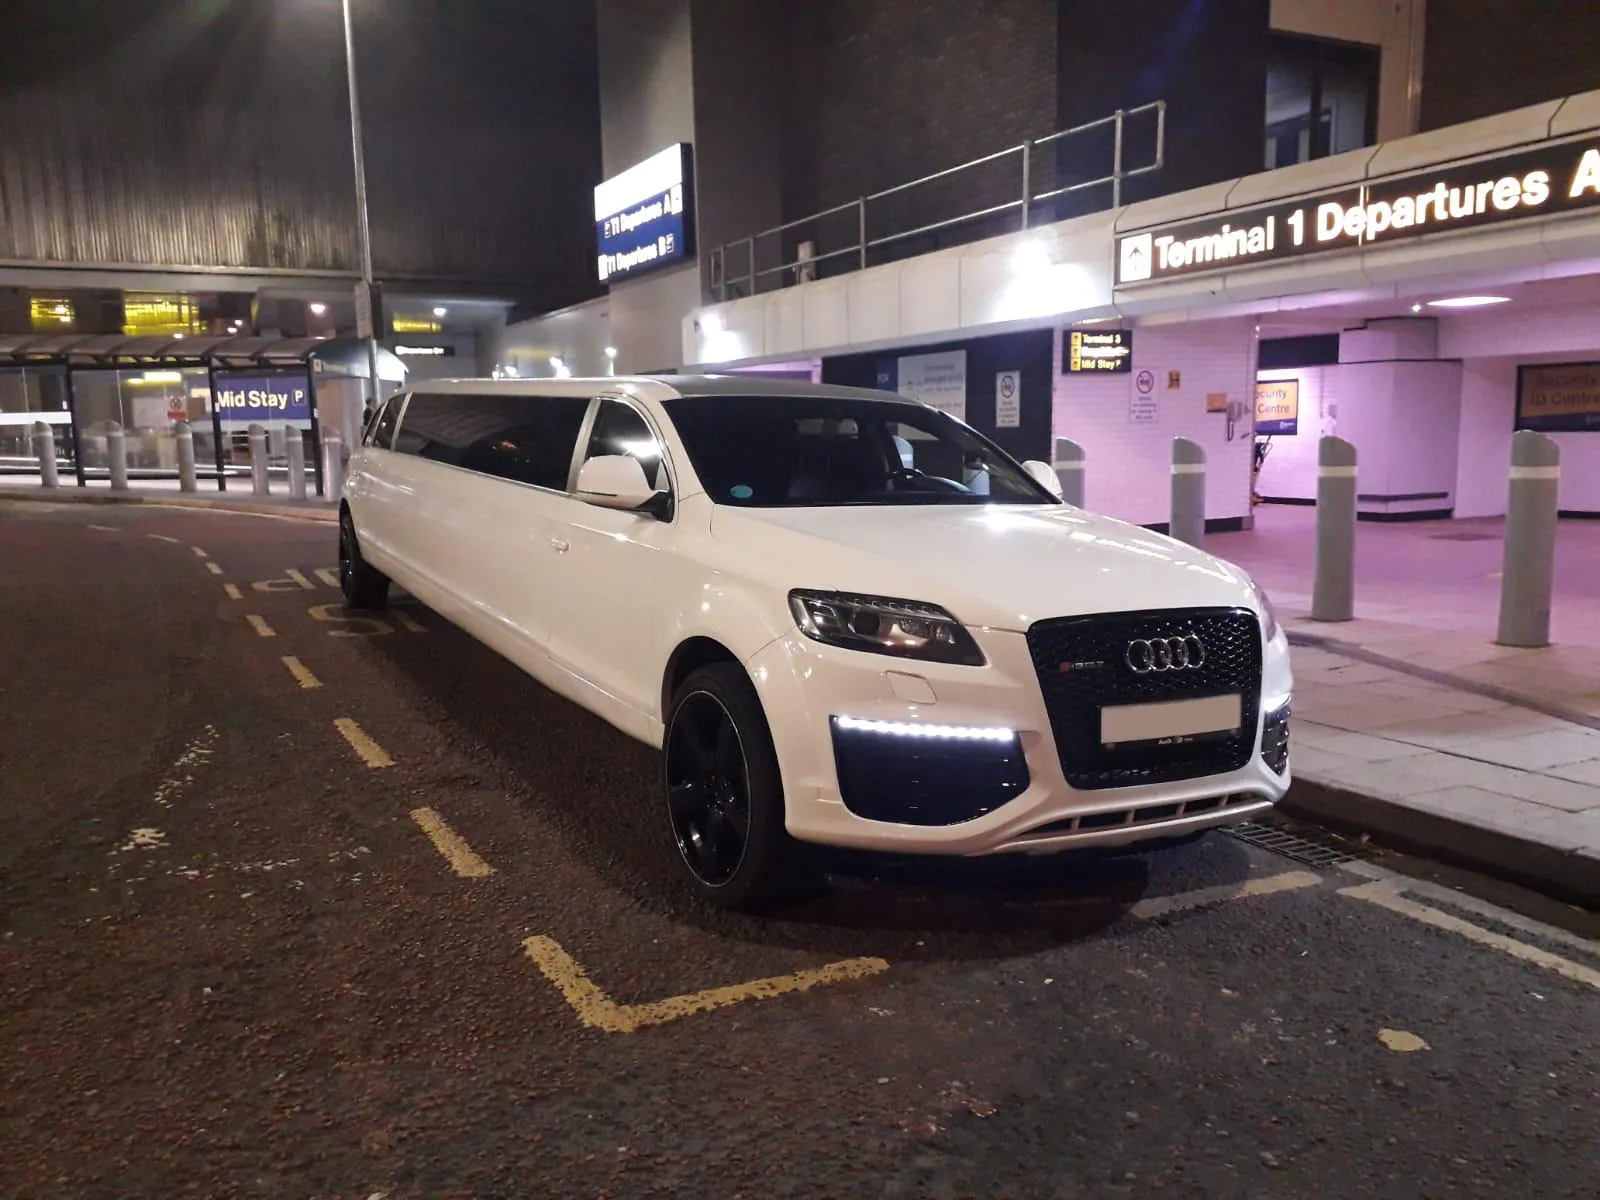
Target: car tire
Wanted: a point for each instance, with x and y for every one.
(361, 584)
(723, 793)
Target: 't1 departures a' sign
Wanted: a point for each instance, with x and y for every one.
(644, 217)
(1511, 187)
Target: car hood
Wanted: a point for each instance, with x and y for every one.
(1001, 566)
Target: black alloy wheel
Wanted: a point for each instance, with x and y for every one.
(724, 794)
(708, 789)
(361, 584)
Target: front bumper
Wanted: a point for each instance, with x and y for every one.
(805, 685)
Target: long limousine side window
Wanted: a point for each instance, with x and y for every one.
(619, 429)
(528, 439)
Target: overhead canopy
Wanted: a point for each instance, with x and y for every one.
(324, 356)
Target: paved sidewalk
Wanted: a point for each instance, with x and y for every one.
(239, 499)
(1411, 722)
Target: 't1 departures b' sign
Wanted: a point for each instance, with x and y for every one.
(644, 217)
(1511, 187)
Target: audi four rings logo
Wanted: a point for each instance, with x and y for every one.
(1148, 655)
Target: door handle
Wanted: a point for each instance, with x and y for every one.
(560, 546)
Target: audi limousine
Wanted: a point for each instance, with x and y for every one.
(844, 617)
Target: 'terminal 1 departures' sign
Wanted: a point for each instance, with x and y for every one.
(1510, 187)
(644, 218)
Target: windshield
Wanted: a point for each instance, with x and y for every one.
(801, 451)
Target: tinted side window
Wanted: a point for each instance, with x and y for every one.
(381, 432)
(619, 429)
(526, 438)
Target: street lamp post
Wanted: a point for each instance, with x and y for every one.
(366, 301)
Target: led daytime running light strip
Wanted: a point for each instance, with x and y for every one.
(956, 733)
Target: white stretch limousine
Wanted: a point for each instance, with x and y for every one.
(845, 617)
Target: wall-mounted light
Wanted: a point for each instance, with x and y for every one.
(1468, 301)
(1416, 308)
(560, 368)
(611, 351)
(440, 310)
(317, 308)
(1029, 256)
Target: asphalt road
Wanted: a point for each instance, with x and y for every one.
(387, 919)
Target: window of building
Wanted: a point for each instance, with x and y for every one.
(51, 314)
(1322, 99)
(529, 439)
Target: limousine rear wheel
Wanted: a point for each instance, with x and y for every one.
(362, 584)
(724, 793)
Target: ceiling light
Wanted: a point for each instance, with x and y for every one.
(440, 310)
(1416, 308)
(318, 308)
(1468, 301)
(178, 336)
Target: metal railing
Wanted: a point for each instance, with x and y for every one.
(803, 267)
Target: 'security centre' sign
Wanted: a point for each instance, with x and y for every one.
(1278, 407)
(1559, 397)
(643, 217)
(1511, 187)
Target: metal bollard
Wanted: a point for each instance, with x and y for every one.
(1528, 570)
(183, 436)
(1333, 594)
(332, 465)
(295, 447)
(117, 456)
(44, 445)
(1068, 465)
(1188, 492)
(259, 483)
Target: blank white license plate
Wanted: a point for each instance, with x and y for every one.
(1170, 719)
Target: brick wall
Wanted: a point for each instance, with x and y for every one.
(884, 91)
(1128, 472)
(1540, 51)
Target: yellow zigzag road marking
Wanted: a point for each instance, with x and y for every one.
(598, 1011)
(1386, 893)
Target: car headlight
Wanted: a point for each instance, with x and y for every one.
(1269, 616)
(881, 625)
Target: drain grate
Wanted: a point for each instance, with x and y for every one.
(1313, 852)
(1466, 537)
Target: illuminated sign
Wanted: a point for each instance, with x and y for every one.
(1510, 187)
(1278, 407)
(425, 351)
(1098, 350)
(147, 314)
(1559, 397)
(50, 314)
(264, 398)
(643, 218)
(402, 324)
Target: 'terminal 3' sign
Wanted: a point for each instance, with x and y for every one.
(1511, 187)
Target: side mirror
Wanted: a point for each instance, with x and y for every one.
(616, 481)
(1044, 475)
